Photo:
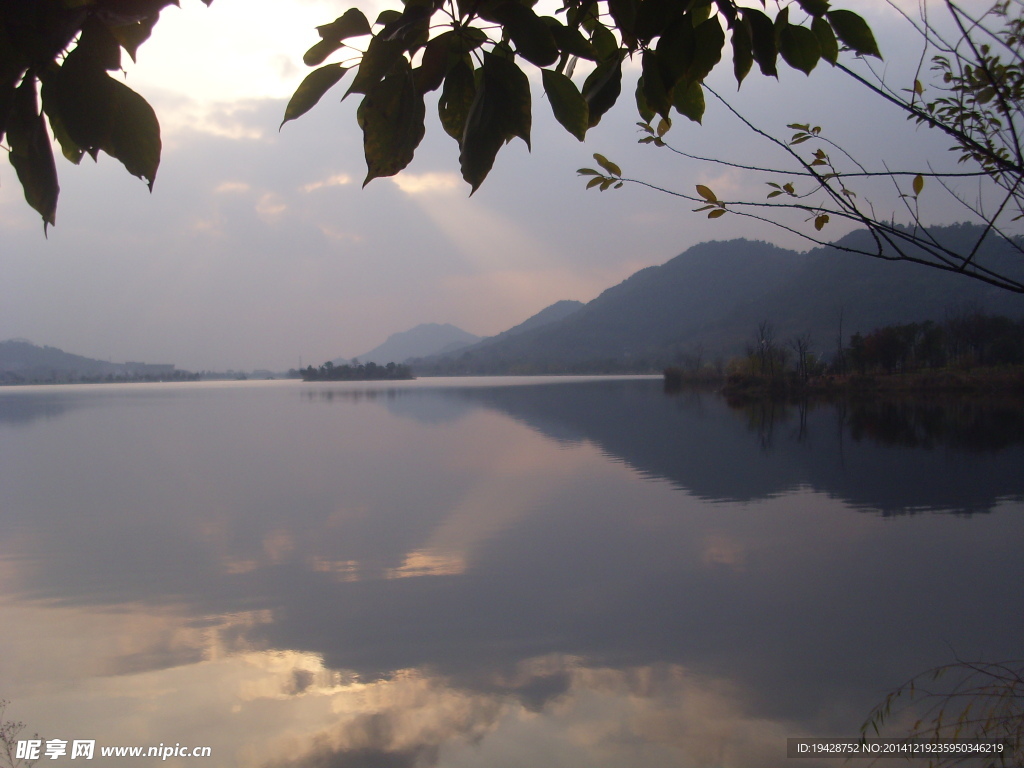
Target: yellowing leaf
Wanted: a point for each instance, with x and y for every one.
(706, 193)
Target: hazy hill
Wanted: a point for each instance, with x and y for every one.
(21, 360)
(423, 340)
(711, 298)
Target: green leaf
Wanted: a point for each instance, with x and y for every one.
(595, 181)
(709, 41)
(320, 51)
(440, 53)
(135, 134)
(381, 55)
(656, 94)
(642, 107)
(799, 47)
(918, 184)
(604, 43)
(854, 32)
(716, 213)
(742, 50)
(351, 24)
(500, 111)
(624, 14)
(814, 7)
(311, 90)
(706, 193)
(826, 39)
(689, 100)
(532, 37)
(602, 87)
(762, 33)
(456, 100)
(587, 172)
(654, 16)
(567, 104)
(570, 40)
(391, 116)
(607, 164)
(31, 152)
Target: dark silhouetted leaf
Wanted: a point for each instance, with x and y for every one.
(438, 56)
(602, 88)
(500, 111)
(854, 32)
(709, 39)
(532, 37)
(642, 107)
(624, 14)
(31, 152)
(814, 7)
(311, 89)
(391, 116)
(135, 134)
(742, 50)
(799, 47)
(350, 24)
(456, 100)
(689, 100)
(131, 36)
(320, 51)
(762, 35)
(570, 40)
(676, 49)
(656, 94)
(567, 104)
(654, 16)
(381, 55)
(826, 40)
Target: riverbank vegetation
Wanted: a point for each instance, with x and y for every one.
(356, 372)
(969, 350)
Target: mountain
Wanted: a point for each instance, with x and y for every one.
(423, 340)
(709, 300)
(23, 361)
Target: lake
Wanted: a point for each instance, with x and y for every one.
(491, 572)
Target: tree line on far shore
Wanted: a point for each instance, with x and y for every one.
(353, 372)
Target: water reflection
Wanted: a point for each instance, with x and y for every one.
(440, 575)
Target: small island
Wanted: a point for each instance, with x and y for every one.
(356, 372)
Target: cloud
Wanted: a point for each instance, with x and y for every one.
(415, 184)
(337, 180)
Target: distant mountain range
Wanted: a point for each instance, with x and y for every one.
(423, 340)
(22, 361)
(708, 301)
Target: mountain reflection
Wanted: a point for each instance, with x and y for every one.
(952, 454)
(443, 575)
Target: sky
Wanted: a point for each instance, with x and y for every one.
(258, 248)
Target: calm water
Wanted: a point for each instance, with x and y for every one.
(491, 572)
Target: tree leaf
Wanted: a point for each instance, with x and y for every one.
(135, 134)
(762, 34)
(814, 7)
(319, 52)
(653, 17)
(532, 37)
(706, 193)
(570, 40)
(820, 221)
(642, 107)
(656, 94)
(391, 116)
(826, 39)
(918, 184)
(500, 111)
(742, 50)
(624, 14)
(602, 87)
(854, 32)
(31, 152)
(381, 55)
(799, 47)
(350, 24)
(567, 104)
(709, 40)
(311, 90)
(456, 99)
(607, 164)
(689, 100)
(716, 213)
